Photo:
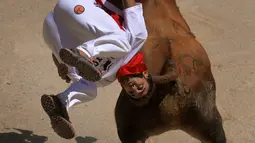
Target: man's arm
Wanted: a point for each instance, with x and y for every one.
(134, 22)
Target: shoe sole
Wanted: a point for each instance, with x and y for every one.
(86, 68)
(59, 124)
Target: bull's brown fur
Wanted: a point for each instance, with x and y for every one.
(189, 102)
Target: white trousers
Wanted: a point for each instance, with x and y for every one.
(98, 34)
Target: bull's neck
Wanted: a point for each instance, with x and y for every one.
(154, 3)
(118, 3)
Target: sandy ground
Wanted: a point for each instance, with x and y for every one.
(226, 29)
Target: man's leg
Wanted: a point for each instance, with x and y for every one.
(52, 39)
(81, 62)
(62, 69)
(57, 106)
(58, 115)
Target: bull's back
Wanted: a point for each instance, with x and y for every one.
(170, 36)
(163, 21)
(192, 62)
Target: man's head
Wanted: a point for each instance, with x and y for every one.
(135, 79)
(138, 85)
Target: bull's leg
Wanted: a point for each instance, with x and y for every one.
(126, 122)
(130, 134)
(206, 128)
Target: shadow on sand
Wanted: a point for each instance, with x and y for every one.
(26, 136)
(87, 139)
(21, 136)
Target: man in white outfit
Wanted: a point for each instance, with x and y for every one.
(93, 45)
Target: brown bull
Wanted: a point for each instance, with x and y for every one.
(184, 90)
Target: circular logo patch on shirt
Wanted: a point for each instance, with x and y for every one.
(79, 9)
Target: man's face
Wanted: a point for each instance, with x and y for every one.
(137, 87)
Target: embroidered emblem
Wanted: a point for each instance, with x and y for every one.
(79, 9)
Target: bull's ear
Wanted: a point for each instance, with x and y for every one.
(146, 74)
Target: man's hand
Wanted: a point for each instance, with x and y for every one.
(62, 69)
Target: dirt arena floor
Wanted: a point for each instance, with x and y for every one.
(225, 28)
